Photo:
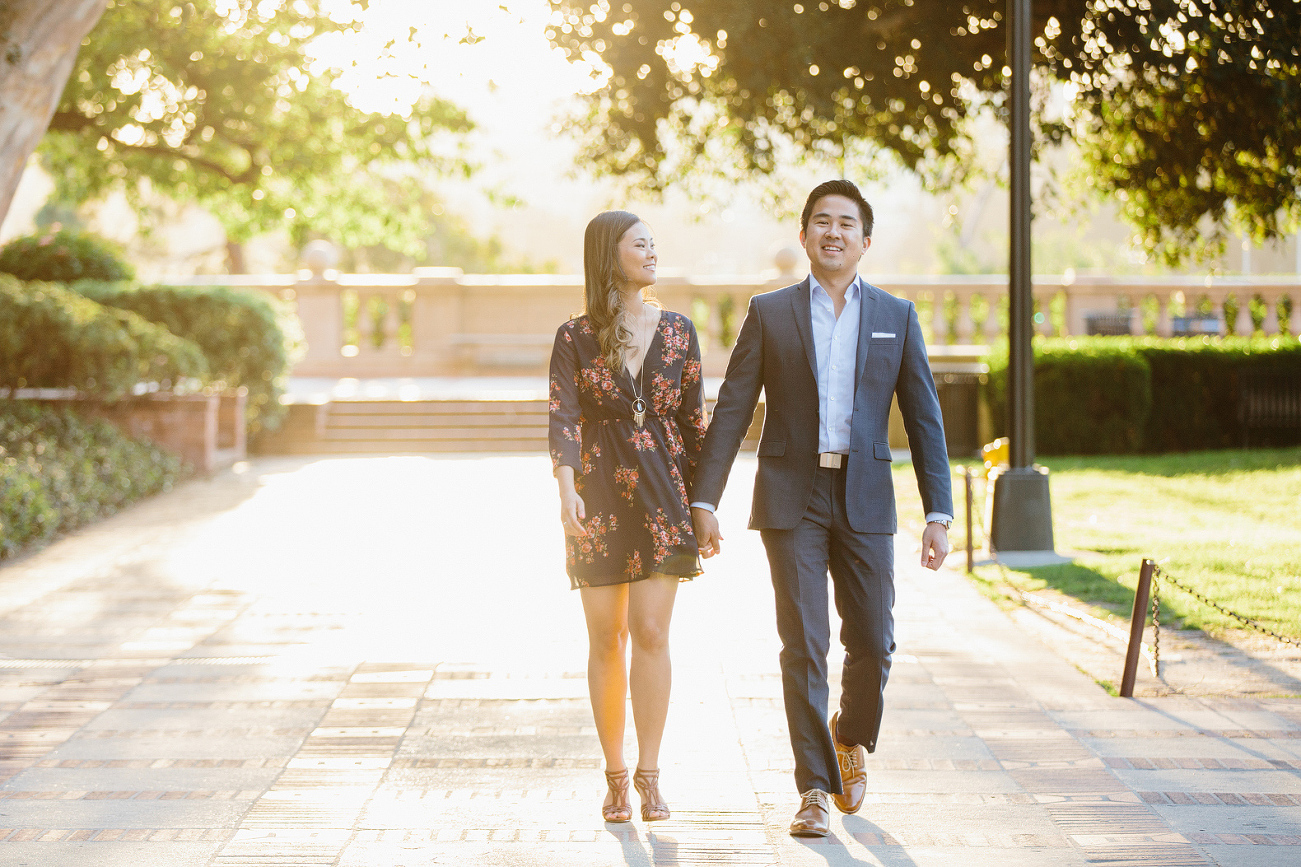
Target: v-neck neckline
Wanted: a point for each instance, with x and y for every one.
(655, 333)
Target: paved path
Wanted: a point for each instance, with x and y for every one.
(378, 662)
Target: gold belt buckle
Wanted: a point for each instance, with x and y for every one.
(832, 460)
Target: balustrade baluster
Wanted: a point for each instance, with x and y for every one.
(392, 320)
(1217, 299)
(1270, 325)
(939, 322)
(989, 327)
(966, 329)
(373, 329)
(1045, 304)
(1164, 327)
(1242, 322)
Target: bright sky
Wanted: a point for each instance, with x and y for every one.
(471, 50)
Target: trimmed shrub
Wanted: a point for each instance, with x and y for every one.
(248, 339)
(62, 256)
(1195, 388)
(51, 337)
(1119, 395)
(1090, 397)
(59, 471)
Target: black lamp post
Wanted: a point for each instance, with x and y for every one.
(1022, 512)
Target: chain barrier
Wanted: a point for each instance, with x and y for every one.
(1156, 621)
(1136, 645)
(1029, 599)
(1245, 621)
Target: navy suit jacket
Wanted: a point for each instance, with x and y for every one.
(774, 353)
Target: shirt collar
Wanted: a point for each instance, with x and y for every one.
(851, 292)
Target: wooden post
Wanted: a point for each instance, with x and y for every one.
(1142, 596)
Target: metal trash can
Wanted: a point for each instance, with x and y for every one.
(958, 385)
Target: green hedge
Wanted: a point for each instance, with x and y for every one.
(62, 256)
(247, 338)
(59, 471)
(1090, 398)
(1195, 385)
(51, 337)
(1121, 395)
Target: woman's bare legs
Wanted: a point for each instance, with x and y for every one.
(606, 610)
(650, 608)
(643, 609)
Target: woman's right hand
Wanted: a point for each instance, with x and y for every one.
(572, 513)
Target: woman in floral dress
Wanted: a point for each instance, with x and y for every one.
(627, 418)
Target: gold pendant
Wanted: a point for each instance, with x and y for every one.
(639, 411)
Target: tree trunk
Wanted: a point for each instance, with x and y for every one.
(39, 40)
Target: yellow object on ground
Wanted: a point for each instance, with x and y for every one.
(994, 454)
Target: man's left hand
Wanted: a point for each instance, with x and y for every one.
(935, 545)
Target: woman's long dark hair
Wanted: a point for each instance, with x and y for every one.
(602, 277)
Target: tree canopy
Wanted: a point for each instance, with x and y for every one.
(1187, 113)
(219, 102)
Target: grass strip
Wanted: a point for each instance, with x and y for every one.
(1226, 523)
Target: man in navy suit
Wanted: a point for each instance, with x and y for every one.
(829, 354)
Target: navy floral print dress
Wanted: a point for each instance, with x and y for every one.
(633, 480)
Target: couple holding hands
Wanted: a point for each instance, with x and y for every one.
(640, 476)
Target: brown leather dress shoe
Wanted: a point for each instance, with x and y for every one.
(813, 819)
(853, 773)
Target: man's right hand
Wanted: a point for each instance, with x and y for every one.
(708, 538)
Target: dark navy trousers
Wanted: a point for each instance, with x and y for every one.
(862, 575)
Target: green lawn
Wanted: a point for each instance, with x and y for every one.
(1226, 523)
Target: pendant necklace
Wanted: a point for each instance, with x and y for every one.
(638, 404)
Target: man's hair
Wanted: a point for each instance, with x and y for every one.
(839, 187)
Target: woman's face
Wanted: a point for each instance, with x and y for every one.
(636, 254)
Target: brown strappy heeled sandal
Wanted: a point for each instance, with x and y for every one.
(618, 810)
(653, 808)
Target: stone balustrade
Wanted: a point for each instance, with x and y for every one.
(441, 322)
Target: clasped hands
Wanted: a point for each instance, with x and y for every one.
(708, 538)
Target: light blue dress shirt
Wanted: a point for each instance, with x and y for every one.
(835, 344)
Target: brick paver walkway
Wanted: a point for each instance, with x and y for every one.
(378, 662)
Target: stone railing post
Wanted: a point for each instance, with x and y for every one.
(436, 317)
(1074, 319)
(319, 308)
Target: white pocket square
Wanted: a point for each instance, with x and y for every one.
(876, 334)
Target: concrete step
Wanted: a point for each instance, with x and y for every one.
(426, 425)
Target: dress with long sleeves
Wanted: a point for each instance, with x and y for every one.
(633, 480)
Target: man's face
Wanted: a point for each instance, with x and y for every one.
(834, 239)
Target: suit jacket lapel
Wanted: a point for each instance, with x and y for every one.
(804, 322)
(866, 315)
